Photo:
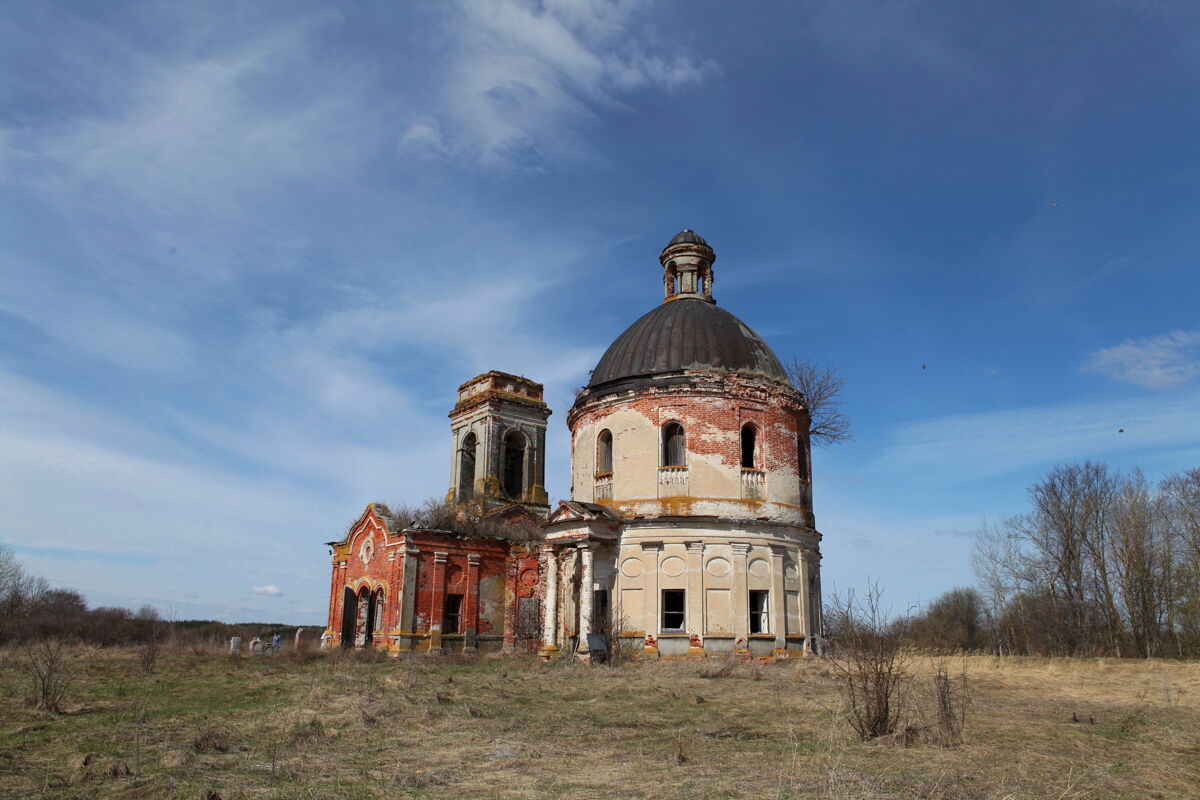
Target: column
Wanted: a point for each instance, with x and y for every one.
(741, 599)
(471, 601)
(651, 556)
(438, 599)
(778, 604)
(586, 596)
(805, 608)
(695, 597)
(550, 603)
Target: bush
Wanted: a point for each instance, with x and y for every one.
(871, 664)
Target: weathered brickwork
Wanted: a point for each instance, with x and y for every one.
(407, 575)
(713, 408)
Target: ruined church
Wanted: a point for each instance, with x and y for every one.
(689, 531)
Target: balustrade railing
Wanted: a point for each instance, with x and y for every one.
(603, 487)
(754, 484)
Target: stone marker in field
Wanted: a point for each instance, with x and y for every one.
(235, 645)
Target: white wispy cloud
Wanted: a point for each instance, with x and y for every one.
(270, 590)
(1154, 362)
(971, 446)
(526, 76)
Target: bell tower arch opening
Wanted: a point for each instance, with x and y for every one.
(466, 468)
(515, 445)
(498, 427)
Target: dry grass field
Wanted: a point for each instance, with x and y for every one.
(339, 726)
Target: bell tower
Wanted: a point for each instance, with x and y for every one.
(498, 435)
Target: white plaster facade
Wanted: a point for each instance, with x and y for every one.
(715, 552)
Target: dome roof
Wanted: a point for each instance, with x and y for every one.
(687, 236)
(687, 333)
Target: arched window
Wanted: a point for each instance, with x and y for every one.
(466, 468)
(514, 464)
(673, 445)
(378, 610)
(749, 446)
(604, 453)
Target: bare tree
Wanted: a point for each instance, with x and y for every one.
(870, 663)
(822, 389)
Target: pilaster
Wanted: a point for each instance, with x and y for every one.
(695, 598)
(741, 599)
(471, 601)
(778, 604)
(651, 556)
(438, 599)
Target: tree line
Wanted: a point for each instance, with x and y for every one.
(1103, 563)
(30, 611)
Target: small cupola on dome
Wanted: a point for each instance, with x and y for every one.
(687, 267)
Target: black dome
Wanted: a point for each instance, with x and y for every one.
(687, 333)
(687, 236)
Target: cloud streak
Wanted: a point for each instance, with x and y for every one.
(527, 77)
(1155, 362)
(971, 446)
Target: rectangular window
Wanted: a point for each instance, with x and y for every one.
(758, 611)
(452, 618)
(672, 609)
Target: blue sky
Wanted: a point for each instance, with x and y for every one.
(248, 252)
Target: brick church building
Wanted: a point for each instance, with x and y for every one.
(690, 529)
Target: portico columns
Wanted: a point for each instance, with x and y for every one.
(550, 606)
(585, 597)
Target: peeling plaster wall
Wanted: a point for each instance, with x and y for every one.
(712, 407)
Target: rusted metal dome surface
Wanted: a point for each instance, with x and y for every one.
(687, 236)
(687, 333)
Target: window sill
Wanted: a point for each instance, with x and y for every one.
(673, 634)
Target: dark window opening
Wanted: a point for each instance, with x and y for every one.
(466, 468)
(758, 611)
(673, 614)
(749, 437)
(514, 464)
(452, 617)
(600, 611)
(802, 457)
(673, 445)
(604, 453)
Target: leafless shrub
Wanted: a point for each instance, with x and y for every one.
(48, 679)
(871, 665)
(950, 706)
(435, 514)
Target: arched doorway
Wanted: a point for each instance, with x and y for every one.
(349, 615)
(362, 619)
